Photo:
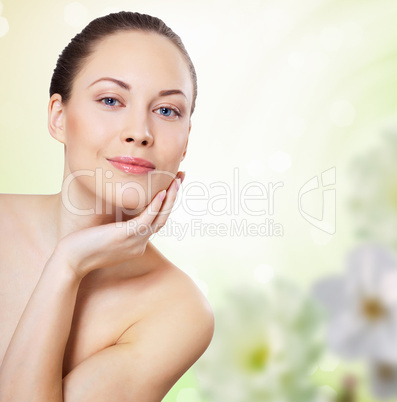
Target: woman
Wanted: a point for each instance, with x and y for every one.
(90, 310)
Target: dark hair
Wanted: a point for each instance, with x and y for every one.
(72, 58)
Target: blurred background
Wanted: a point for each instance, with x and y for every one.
(290, 168)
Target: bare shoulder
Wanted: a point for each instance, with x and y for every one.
(183, 300)
(8, 210)
(185, 295)
(156, 350)
(176, 291)
(14, 208)
(10, 204)
(19, 214)
(7, 201)
(180, 320)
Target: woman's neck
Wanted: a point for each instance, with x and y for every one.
(67, 218)
(58, 221)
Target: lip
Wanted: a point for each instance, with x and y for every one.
(129, 164)
(129, 160)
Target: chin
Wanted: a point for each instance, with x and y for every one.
(131, 202)
(124, 210)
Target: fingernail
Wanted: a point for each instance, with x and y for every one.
(162, 195)
(178, 183)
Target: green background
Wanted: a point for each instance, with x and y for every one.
(286, 90)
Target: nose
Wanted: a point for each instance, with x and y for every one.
(137, 130)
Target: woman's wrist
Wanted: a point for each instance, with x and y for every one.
(62, 262)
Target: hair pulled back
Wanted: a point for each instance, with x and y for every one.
(73, 57)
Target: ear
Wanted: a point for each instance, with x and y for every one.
(187, 140)
(55, 118)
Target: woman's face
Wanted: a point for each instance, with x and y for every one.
(132, 98)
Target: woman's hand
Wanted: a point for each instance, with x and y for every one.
(100, 246)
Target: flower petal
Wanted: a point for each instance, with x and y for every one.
(348, 335)
(330, 292)
(388, 288)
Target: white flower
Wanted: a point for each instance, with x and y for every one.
(264, 348)
(363, 306)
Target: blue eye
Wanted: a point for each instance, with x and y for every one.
(109, 101)
(168, 111)
(165, 111)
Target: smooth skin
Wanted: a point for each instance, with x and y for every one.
(75, 267)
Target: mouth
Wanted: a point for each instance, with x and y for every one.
(132, 165)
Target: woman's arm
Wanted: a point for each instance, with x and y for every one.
(150, 356)
(32, 366)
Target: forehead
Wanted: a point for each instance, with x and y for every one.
(138, 58)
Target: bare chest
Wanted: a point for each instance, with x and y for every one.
(101, 315)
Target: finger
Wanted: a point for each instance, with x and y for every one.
(181, 175)
(147, 216)
(161, 204)
(178, 175)
(166, 208)
(170, 197)
(167, 204)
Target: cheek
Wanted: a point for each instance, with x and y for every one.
(172, 149)
(168, 161)
(172, 145)
(85, 135)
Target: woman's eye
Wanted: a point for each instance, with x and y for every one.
(108, 101)
(167, 112)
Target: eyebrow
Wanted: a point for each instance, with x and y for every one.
(124, 85)
(121, 84)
